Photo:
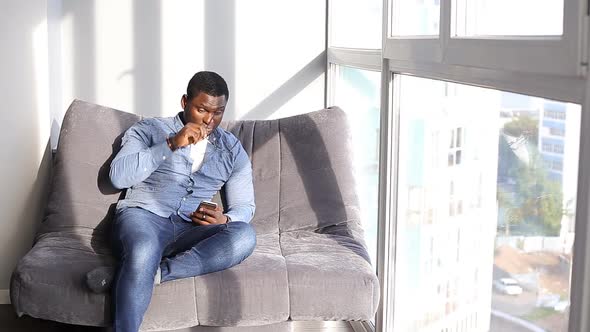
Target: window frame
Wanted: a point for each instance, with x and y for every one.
(547, 55)
(475, 61)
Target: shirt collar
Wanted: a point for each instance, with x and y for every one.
(178, 123)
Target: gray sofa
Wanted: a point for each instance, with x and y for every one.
(310, 262)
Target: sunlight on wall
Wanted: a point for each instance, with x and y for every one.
(56, 106)
(272, 49)
(182, 49)
(67, 67)
(41, 65)
(308, 98)
(114, 53)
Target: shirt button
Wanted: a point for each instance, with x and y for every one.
(184, 198)
(164, 157)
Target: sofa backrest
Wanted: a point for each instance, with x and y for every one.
(301, 168)
(261, 141)
(81, 196)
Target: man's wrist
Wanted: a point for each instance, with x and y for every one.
(170, 143)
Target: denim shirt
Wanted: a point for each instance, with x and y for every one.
(160, 180)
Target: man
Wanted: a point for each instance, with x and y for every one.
(161, 230)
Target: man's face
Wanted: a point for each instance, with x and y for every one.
(204, 109)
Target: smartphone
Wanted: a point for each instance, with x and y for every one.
(207, 205)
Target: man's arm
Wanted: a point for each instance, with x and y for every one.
(136, 160)
(239, 190)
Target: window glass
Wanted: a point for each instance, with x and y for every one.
(415, 18)
(486, 204)
(356, 92)
(356, 23)
(508, 17)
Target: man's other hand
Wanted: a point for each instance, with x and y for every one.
(205, 216)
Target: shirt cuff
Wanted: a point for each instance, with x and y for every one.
(232, 216)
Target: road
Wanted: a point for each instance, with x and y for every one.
(519, 306)
(515, 305)
(501, 325)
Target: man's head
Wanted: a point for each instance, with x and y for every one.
(205, 99)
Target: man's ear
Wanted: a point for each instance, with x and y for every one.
(183, 101)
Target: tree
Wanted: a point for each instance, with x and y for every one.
(534, 202)
(537, 201)
(511, 211)
(523, 125)
(542, 200)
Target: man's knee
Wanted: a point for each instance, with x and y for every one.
(243, 237)
(142, 256)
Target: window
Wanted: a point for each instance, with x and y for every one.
(553, 146)
(525, 36)
(482, 17)
(455, 148)
(554, 115)
(556, 131)
(558, 148)
(356, 92)
(356, 24)
(423, 20)
(521, 229)
(547, 147)
(557, 165)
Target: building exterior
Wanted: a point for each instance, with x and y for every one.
(447, 208)
(559, 136)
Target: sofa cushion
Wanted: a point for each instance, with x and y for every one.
(55, 268)
(173, 306)
(53, 272)
(317, 184)
(330, 277)
(48, 282)
(255, 292)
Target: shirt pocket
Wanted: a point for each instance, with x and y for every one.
(217, 168)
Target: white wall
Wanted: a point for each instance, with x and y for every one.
(137, 56)
(24, 118)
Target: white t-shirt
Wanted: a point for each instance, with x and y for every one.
(198, 154)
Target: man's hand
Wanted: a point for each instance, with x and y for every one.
(205, 216)
(189, 134)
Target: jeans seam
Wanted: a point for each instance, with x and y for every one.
(174, 237)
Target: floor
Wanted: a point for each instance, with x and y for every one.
(9, 322)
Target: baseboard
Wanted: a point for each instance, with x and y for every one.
(4, 296)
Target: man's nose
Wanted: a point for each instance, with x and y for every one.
(208, 117)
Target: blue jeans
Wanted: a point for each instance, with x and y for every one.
(145, 241)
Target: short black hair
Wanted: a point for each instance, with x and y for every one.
(208, 82)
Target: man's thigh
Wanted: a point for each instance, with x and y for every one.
(136, 226)
(189, 235)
